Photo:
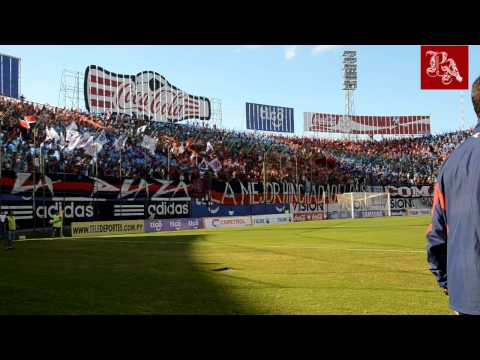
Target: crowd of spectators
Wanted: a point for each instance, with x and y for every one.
(201, 153)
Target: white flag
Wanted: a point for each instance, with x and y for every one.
(215, 165)
(141, 129)
(85, 143)
(209, 146)
(119, 143)
(72, 126)
(93, 148)
(84, 140)
(101, 139)
(149, 143)
(203, 166)
(71, 135)
(52, 134)
(62, 141)
(74, 141)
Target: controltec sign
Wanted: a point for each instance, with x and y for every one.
(227, 222)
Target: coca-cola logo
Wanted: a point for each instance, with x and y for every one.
(147, 94)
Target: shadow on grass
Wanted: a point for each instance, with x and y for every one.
(124, 275)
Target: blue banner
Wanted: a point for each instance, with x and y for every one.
(269, 118)
(218, 210)
(9, 76)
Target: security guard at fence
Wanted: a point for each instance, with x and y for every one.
(12, 229)
(57, 224)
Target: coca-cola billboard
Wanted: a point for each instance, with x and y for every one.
(146, 95)
(370, 125)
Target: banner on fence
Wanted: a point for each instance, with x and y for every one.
(200, 209)
(93, 228)
(172, 224)
(271, 219)
(225, 222)
(309, 216)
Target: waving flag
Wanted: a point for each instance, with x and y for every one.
(209, 147)
(141, 129)
(102, 139)
(74, 141)
(215, 165)
(71, 135)
(85, 140)
(203, 166)
(149, 143)
(52, 134)
(119, 143)
(72, 126)
(27, 121)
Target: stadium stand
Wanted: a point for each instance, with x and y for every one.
(197, 152)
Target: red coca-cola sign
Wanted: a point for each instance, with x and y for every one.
(147, 94)
(444, 67)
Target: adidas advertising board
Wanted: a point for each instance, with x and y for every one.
(168, 209)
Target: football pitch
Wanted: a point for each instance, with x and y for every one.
(362, 266)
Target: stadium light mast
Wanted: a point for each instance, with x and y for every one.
(462, 110)
(349, 85)
(70, 94)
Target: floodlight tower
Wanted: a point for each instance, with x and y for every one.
(71, 90)
(349, 84)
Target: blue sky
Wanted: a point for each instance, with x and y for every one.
(307, 78)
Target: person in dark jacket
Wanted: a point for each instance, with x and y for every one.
(453, 247)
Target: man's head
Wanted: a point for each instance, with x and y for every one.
(476, 96)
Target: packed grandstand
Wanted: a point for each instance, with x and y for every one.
(111, 145)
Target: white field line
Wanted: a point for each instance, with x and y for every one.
(346, 249)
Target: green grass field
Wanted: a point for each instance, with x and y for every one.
(364, 266)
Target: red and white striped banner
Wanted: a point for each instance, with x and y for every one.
(368, 125)
(147, 94)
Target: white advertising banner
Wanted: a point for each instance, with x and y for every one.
(272, 219)
(225, 222)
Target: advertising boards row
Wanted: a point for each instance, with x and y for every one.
(106, 228)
